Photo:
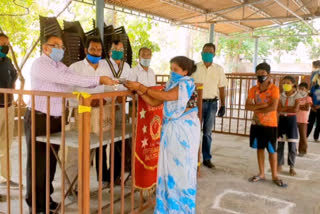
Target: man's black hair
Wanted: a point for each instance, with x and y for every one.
(48, 37)
(116, 41)
(211, 45)
(4, 35)
(304, 85)
(263, 66)
(93, 39)
(316, 64)
(291, 79)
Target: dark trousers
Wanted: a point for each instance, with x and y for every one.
(106, 173)
(292, 150)
(287, 128)
(303, 141)
(40, 158)
(314, 116)
(209, 110)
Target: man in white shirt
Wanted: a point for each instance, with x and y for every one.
(117, 69)
(142, 73)
(92, 65)
(214, 81)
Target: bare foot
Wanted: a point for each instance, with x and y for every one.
(292, 172)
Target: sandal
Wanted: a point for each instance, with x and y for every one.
(256, 178)
(280, 183)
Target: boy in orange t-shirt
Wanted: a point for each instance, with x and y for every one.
(263, 100)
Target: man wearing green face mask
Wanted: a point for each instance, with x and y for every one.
(8, 76)
(117, 69)
(214, 81)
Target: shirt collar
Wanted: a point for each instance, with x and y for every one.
(45, 57)
(85, 61)
(202, 64)
(269, 86)
(292, 95)
(113, 62)
(141, 68)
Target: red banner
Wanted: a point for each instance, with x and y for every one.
(147, 143)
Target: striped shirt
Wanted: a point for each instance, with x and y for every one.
(48, 75)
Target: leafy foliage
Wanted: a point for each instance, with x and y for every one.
(138, 32)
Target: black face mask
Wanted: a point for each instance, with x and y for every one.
(261, 79)
(5, 49)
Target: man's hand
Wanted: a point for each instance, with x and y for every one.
(104, 80)
(221, 111)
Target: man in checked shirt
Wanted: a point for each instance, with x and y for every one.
(48, 73)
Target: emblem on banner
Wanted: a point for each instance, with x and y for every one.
(155, 127)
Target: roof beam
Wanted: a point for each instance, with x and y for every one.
(296, 15)
(192, 8)
(284, 18)
(138, 13)
(184, 6)
(235, 7)
(300, 4)
(258, 11)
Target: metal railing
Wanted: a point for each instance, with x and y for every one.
(237, 120)
(84, 152)
(114, 199)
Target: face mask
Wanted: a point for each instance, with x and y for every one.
(145, 62)
(93, 59)
(57, 54)
(207, 57)
(175, 76)
(4, 51)
(303, 93)
(261, 79)
(117, 55)
(287, 87)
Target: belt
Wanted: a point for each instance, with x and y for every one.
(43, 114)
(211, 100)
(287, 114)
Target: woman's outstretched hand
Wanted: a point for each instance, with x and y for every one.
(132, 86)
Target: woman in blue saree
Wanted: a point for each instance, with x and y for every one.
(180, 138)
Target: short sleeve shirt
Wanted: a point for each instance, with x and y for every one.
(212, 79)
(269, 118)
(302, 116)
(8, 76)
(289, 101)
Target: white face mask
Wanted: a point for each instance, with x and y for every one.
(303, 93)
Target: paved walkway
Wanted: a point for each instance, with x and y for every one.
(225, 190)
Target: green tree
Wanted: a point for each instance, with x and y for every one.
(138, 33)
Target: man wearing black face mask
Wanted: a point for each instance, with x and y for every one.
(263, 100)
(8, 76)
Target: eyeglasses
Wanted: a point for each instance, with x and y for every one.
(57, 46)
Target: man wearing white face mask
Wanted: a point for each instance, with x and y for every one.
(48, 73)
(142, 73)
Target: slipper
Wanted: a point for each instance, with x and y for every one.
(256, 178)
(280, 183)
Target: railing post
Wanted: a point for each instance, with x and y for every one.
(84, 159)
